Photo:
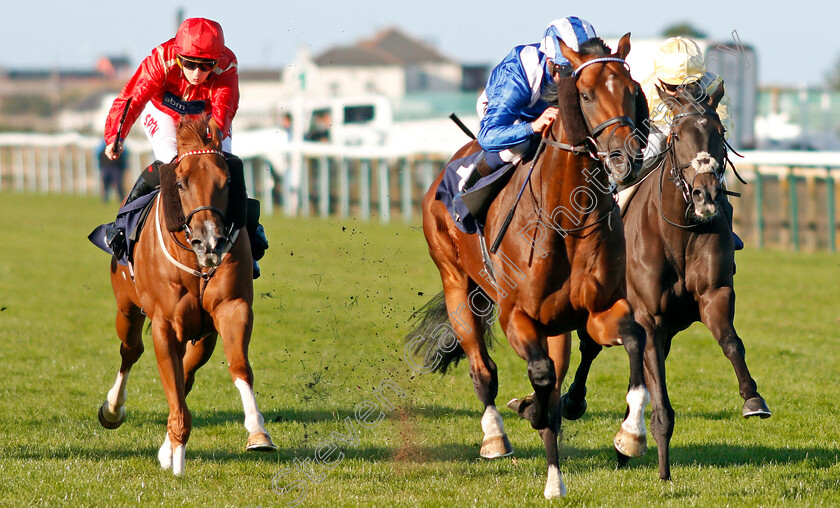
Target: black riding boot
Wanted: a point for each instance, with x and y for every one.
(148, 181)
(486, 164)
(256, 234)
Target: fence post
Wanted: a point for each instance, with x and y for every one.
(343, 188)
(304, 187)
(17, 155)
(759, 208)
(794, 210)
(832, 219)
(406, 189)
(323, 186)
(267, 189)
(384, 192)
(364, 189)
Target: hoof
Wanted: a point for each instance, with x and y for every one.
(631, 445)
(571, 410)
(105, 422)
(756, 407)
(496, 446)
(260, 442)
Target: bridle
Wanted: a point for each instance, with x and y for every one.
(590, 146)
(187, 230)
(229, 238)
(677, 170)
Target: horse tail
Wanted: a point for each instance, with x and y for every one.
(435, 341)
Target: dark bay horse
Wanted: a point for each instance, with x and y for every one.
(560, 266)
(680, 261)
(194, 282)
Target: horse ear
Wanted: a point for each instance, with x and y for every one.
(171, 200)
(716, 96)
(623, 46)
(568, 98)
(570, 54)
(214, 133)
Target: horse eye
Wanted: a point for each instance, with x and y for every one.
(584, 96)
(179, 185)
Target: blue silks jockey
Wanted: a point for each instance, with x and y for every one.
(511, 107)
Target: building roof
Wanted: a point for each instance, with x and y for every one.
(388, 47)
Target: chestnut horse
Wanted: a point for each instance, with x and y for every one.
(681, 260)
(559, 268)
(193, 283)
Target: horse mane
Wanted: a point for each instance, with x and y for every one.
(594, 46)
(195, 131)
(563, 93)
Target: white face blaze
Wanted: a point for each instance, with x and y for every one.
(704, 163)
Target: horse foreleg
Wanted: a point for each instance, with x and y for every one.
(662, 415)
(543, 408)
(196, 356)
(616, 326)
(130, 331)
(170, 355)
(234, 321)
(717, 311)
(573, 403)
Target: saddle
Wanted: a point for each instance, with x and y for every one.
(130, 220)
(468, 204)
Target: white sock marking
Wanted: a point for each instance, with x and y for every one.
(178, 459)
(491, 422)
(554, 486)
(637, 400)
(165, 453)
(254, 421)
(116, 395)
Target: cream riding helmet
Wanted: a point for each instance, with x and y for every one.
(679, 62)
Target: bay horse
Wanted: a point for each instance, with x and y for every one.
(560, 268)
(193, 282)
(681, 261)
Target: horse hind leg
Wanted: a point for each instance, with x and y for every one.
(573, 402)
(129, 325)
(471, 321)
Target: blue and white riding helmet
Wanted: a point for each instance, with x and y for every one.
(571, 30)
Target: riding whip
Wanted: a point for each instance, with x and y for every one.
(119, 129)
(463, 127)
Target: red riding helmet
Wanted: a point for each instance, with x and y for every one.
(200, 38)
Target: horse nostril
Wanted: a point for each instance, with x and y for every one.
(697, 195)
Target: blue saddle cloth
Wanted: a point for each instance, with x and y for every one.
(130, 219)
(469, 209)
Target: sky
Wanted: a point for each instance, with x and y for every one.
(795, 42)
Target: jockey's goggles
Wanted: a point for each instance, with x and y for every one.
(192, 64)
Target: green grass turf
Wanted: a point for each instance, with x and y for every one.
(331, 312)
